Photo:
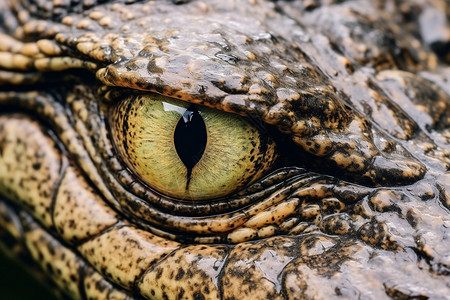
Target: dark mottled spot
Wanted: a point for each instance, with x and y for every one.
(49, 268)
(153, 68)
(180, 274)
(181, 293)
(199, 296)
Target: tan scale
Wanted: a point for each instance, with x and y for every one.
(124, 263)
(88, 214)
(61, 64)
(54, 259)
(49, 47)
(96, 287)
(191, 268)
(275, 214)
(336, 224)
(20, 137)
(258, 276)
(15, 61)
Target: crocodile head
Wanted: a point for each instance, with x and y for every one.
(228, 149)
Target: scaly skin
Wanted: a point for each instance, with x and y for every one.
(357, 205)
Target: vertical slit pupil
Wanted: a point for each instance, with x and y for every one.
(190, 138)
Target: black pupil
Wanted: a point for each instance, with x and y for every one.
(190, 138)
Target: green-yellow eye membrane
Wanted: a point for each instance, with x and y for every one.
(188, 151)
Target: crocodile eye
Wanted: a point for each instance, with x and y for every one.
(188, 151)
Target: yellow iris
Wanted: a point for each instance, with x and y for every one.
(146, 132)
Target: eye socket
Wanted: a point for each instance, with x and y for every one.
(188, 151)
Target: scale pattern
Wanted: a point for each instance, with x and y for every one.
(359, 90)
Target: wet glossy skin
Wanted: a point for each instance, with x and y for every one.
(357, 205)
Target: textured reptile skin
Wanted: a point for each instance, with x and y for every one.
(355, 93)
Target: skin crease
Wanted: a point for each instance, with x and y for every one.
(354, 95)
